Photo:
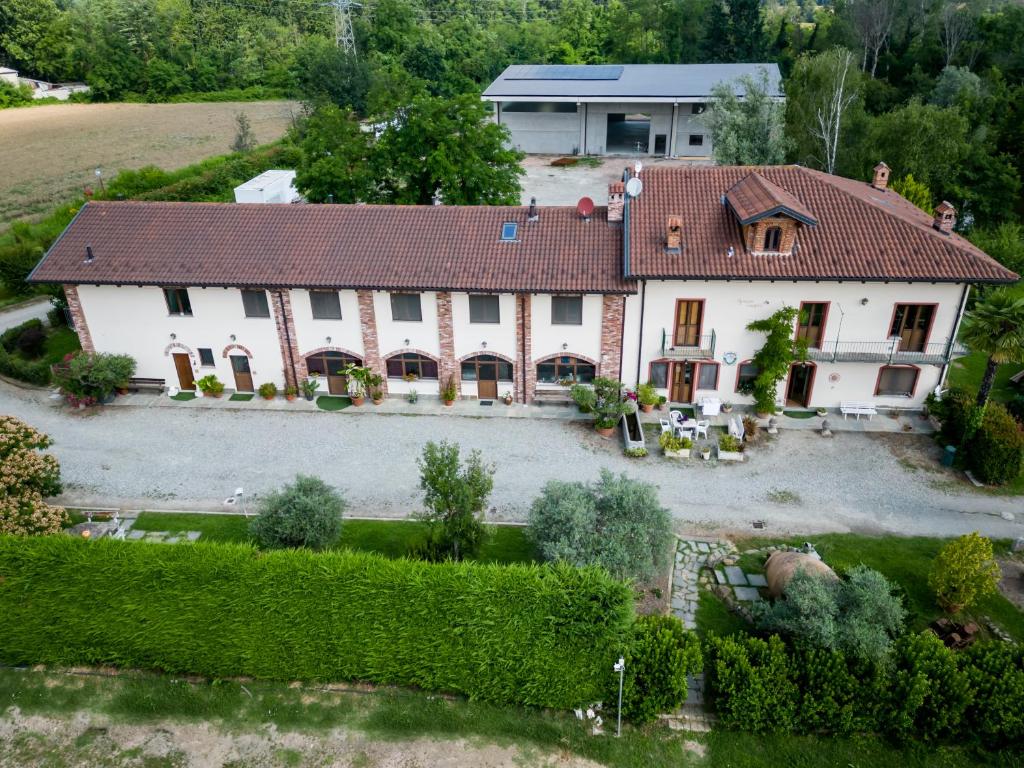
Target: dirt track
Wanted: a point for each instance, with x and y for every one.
(49, 153)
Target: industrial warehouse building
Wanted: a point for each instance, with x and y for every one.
(634, 109)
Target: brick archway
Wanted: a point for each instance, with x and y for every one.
(178, 345)
(568, 353)
(228, 349)
(342, 350)
(498, 355)
(407, 350)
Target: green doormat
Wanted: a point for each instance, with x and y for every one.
(183, 397)
(242, 397)
(800, 414)
(332, 403)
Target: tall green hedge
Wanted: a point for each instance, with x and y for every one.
(923, 691)
(536, 635)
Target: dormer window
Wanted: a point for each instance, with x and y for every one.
(770, 216)
(773, 239)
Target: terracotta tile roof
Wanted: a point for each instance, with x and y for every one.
(861, 233)
(754, 197)
(338, 246)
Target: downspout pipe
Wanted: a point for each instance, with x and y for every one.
(640, 341)
(952, 336)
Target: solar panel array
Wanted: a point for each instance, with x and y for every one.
(565, 72)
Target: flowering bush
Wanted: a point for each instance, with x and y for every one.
(26, 477)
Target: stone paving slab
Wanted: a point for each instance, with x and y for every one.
(136, 535)
(719, 576)
(747, 594)
(193, 535)
(734, 574)
(757, 580)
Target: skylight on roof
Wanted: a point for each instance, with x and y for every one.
(509, 231)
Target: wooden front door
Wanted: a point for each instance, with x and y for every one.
(682, 382)
(487, 380)
(183, 365)
(688, 322)
(912, 322)
(243, 376)
(798, 391)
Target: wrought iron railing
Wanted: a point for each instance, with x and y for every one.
(702, 346)
(936, 353)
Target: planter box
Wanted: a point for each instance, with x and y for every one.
(632, 432)
(683, 453)
(730, 455)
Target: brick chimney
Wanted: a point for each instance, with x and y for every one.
(945, 217)
(674, 233)
(616, 201)
(881, 177)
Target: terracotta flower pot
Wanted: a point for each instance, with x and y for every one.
(290, 398)
(605, 432)
(508, 401)
(358, 399)
(122, 390)
(646, 407)
(378, 400)
(449, 402)
(268, 397)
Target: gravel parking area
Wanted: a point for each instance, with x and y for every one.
(193, 459)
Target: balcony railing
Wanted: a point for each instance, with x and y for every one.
(703, 347)
(889, 352)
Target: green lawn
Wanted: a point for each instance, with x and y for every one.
(391, 538)
(966, 372)
(713, 615)
(906, 561)
(391, 715)
(60, 342)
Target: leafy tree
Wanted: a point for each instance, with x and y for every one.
(955, 86)
(964, 571)
(245, 139)
(823, 97)
(774, 359)
(27, 476)
(616, 522)
(305, 513)
(455, 497)
(914, 191)
(335, 153)
(747, 131)
(859, 615)
(35, 37)
(1004, 243)
(325, 72)
(450, 149)
(995, 326)
(747, 30)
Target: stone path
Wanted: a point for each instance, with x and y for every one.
(691, 556)
(121, 528)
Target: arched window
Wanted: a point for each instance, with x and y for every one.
(773, 238)
(565, 370)
(330, 363)
(411, 365)
(486, 368)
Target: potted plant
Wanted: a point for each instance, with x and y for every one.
(675, 447)
(356, 390)
(605, 425)
(822, 412)
(729, 448)
(647, 397)
(507, 398)
(410, 376)
(268, 391)
(291, 392)
(609, 405)
(377, 395)
(309, 387)
(726, 407)
(635, 453)
(412, 396)
(661, 402)
(705, 453)
(584, 397)
(210, 386)
(449, 391)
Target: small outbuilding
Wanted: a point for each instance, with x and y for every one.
(781, 566)
(604, 109)
(9, 76)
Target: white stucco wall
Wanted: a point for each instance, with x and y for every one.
(730, 306)
(135, 321)
(547, 339)
(312, 334)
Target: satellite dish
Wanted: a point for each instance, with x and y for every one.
(585, 207)
(634, 187)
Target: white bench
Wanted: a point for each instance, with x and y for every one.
(857, 409)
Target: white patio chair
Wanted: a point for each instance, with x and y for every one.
(676, 419)
(666, 426)
(687, 433)
(701, 429)
(736, 427)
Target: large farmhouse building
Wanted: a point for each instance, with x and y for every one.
(657, 287)
(635, 109)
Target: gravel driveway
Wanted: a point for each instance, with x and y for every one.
(185, 458)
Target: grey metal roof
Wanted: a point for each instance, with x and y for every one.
(634, 81)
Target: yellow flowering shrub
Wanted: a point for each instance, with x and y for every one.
(27, 476)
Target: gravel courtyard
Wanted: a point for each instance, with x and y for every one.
(184, 458)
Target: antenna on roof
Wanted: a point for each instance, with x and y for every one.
(585, 208)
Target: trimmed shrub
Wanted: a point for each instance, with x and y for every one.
(522, 634)
(10, 338)
(660, 655)
(616, 522)
(996, 452)
(57, 317)
(37, 373)
(306, 513)
(31, 342)
(750, 684)
(953, 411)
(837, 695)
(996, 675)
(26, 476)
(929, 693)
